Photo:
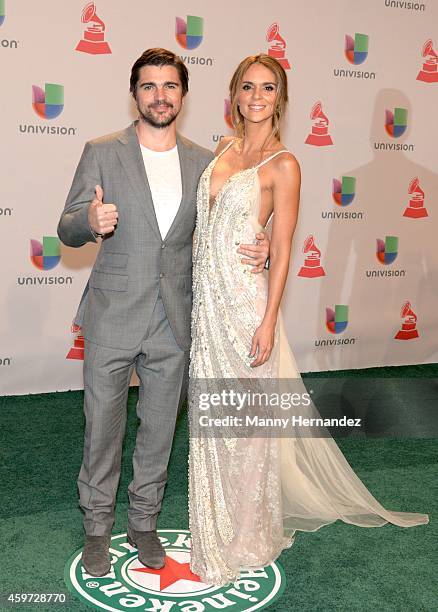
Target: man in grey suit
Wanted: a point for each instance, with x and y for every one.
(135, 311)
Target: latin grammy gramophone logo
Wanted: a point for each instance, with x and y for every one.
(319, 136)
(408, 330)
(227, 113)
(93, 41)
(77, 350)
(277, 45)
(356, 49)
(429, 71)
(312, 262)
(415, 209)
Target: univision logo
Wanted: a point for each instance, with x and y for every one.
(356, 49)
(131, 585)
(337, 318)
(45, 256)
(189, 35)
(343, 194)
(386, 253)
(47, 103)
(387, 250)
(396, 123)
(227, 118)
(227, 113)
(336, 322)
(6, 43)
(401, 4)
(344, 190)
(356, 52)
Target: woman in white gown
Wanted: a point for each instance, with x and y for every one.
(248, 496)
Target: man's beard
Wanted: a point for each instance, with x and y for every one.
(152, 120)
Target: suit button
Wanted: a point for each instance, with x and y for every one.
(163, 246)
(161, 274)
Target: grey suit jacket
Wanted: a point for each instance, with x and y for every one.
(134, 264)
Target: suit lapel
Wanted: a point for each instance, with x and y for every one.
(132, 161)
(188, 175)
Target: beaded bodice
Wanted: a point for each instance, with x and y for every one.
(228, 300)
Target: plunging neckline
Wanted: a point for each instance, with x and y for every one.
(212, 201)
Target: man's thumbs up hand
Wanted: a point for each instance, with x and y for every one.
(102, 217)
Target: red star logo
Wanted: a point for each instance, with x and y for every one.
(170, 573)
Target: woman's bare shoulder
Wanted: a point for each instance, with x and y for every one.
(224, 142)
(286, 163)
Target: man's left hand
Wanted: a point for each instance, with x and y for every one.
(256, 254)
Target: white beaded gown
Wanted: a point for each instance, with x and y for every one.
(247, 497)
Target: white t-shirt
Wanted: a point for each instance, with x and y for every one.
(164, 177)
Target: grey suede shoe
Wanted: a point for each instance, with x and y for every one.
(150, 550)
(95, 556)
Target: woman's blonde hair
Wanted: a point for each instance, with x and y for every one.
(281, 98)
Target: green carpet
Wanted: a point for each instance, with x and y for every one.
(339, 568)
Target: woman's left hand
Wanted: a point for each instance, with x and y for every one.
(262, 344)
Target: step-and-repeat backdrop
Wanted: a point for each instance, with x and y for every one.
(363, 79)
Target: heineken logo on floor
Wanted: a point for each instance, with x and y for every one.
(132, 586)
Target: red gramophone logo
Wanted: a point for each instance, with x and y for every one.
(429, 72)
(415, 209)
(312, 261)
(277, 46)
(77, 350)
(319, 136)
(93, 41)
(408, 330)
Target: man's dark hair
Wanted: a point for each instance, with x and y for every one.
(159, 57)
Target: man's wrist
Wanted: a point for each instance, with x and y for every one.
(95, 234)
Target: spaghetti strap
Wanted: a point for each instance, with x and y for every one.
(232, 141)
(265, 161)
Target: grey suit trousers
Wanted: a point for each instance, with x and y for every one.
(161, 366)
